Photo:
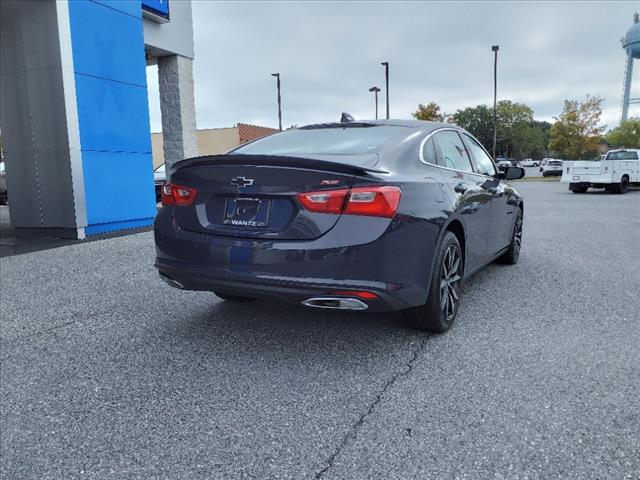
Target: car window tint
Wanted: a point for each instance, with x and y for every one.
(622, 155)
(325, 140)
(454, 154)
(429, 152)
(481, 161)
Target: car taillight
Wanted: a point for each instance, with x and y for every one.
(380, 201)
(327, 201)
(373, 201)
(178, 195)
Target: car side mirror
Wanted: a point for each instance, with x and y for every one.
(514, 173)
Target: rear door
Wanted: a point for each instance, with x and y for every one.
(256, 201)
(473, 201)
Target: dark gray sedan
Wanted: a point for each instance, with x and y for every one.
(367, 215)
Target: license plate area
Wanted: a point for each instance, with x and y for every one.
(247, 212)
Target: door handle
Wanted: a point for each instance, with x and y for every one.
(460, 188)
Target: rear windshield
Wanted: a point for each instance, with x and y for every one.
(555, 162)
(622, 156)
(324, 141)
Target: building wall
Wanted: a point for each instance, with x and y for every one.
(174, 37)
(217, 140)
(210, 142)
(157, 149)
(74, 111)
(113, 114)
(214, 141)
(40, 124)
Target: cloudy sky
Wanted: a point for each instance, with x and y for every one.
(329, 55)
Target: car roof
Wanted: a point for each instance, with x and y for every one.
(417, 124)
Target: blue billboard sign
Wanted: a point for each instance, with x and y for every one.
(157, 7)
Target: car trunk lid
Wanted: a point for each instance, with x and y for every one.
(254, 196)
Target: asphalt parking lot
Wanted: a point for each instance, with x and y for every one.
(109, 373)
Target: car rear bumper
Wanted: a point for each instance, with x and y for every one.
(388, 258)
(289, 289)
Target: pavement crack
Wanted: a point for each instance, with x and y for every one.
(353, 431)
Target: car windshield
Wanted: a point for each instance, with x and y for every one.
(353, 140)
(622, 155)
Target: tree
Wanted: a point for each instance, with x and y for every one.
(478, 121)
(576, 133)
(518, 135)
(530, 141)
(429, 112)
(627, 134)
(515, 136)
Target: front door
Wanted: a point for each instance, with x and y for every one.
(502, 214)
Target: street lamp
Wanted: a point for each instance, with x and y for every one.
(375, 91)
(277, 75)
(386, 79)
(495, 49)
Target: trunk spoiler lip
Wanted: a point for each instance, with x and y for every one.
(310, 163)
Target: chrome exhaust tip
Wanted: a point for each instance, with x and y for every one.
(172, 282)
(336, 303)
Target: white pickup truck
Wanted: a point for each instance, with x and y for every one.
(615, 172)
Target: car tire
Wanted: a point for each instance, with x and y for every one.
(621, 187)
(443, 299)
(234, 298)
(577, 188)
(512, 254)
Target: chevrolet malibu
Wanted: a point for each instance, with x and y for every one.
(356, 215)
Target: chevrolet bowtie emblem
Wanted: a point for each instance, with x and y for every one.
(241, 182)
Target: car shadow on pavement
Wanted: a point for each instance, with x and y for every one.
(601, 191)
(263, 327)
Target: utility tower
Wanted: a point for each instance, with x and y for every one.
(631, 45)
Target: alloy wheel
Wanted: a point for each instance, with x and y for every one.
(450, 281)
(517, 235)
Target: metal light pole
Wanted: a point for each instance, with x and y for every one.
(375, 90)
(277, 75)
(495, 49)
(386, 79)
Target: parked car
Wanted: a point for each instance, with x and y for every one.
(503, 163)
(370, 215)
(529, 162)
(4, 196)
(159, 179)
(619, 169)
(544, 161)
(552, 166)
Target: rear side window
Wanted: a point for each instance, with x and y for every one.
(429, 152)
(622, 155)
(355, 140)
(481, 161)
(454, 153)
